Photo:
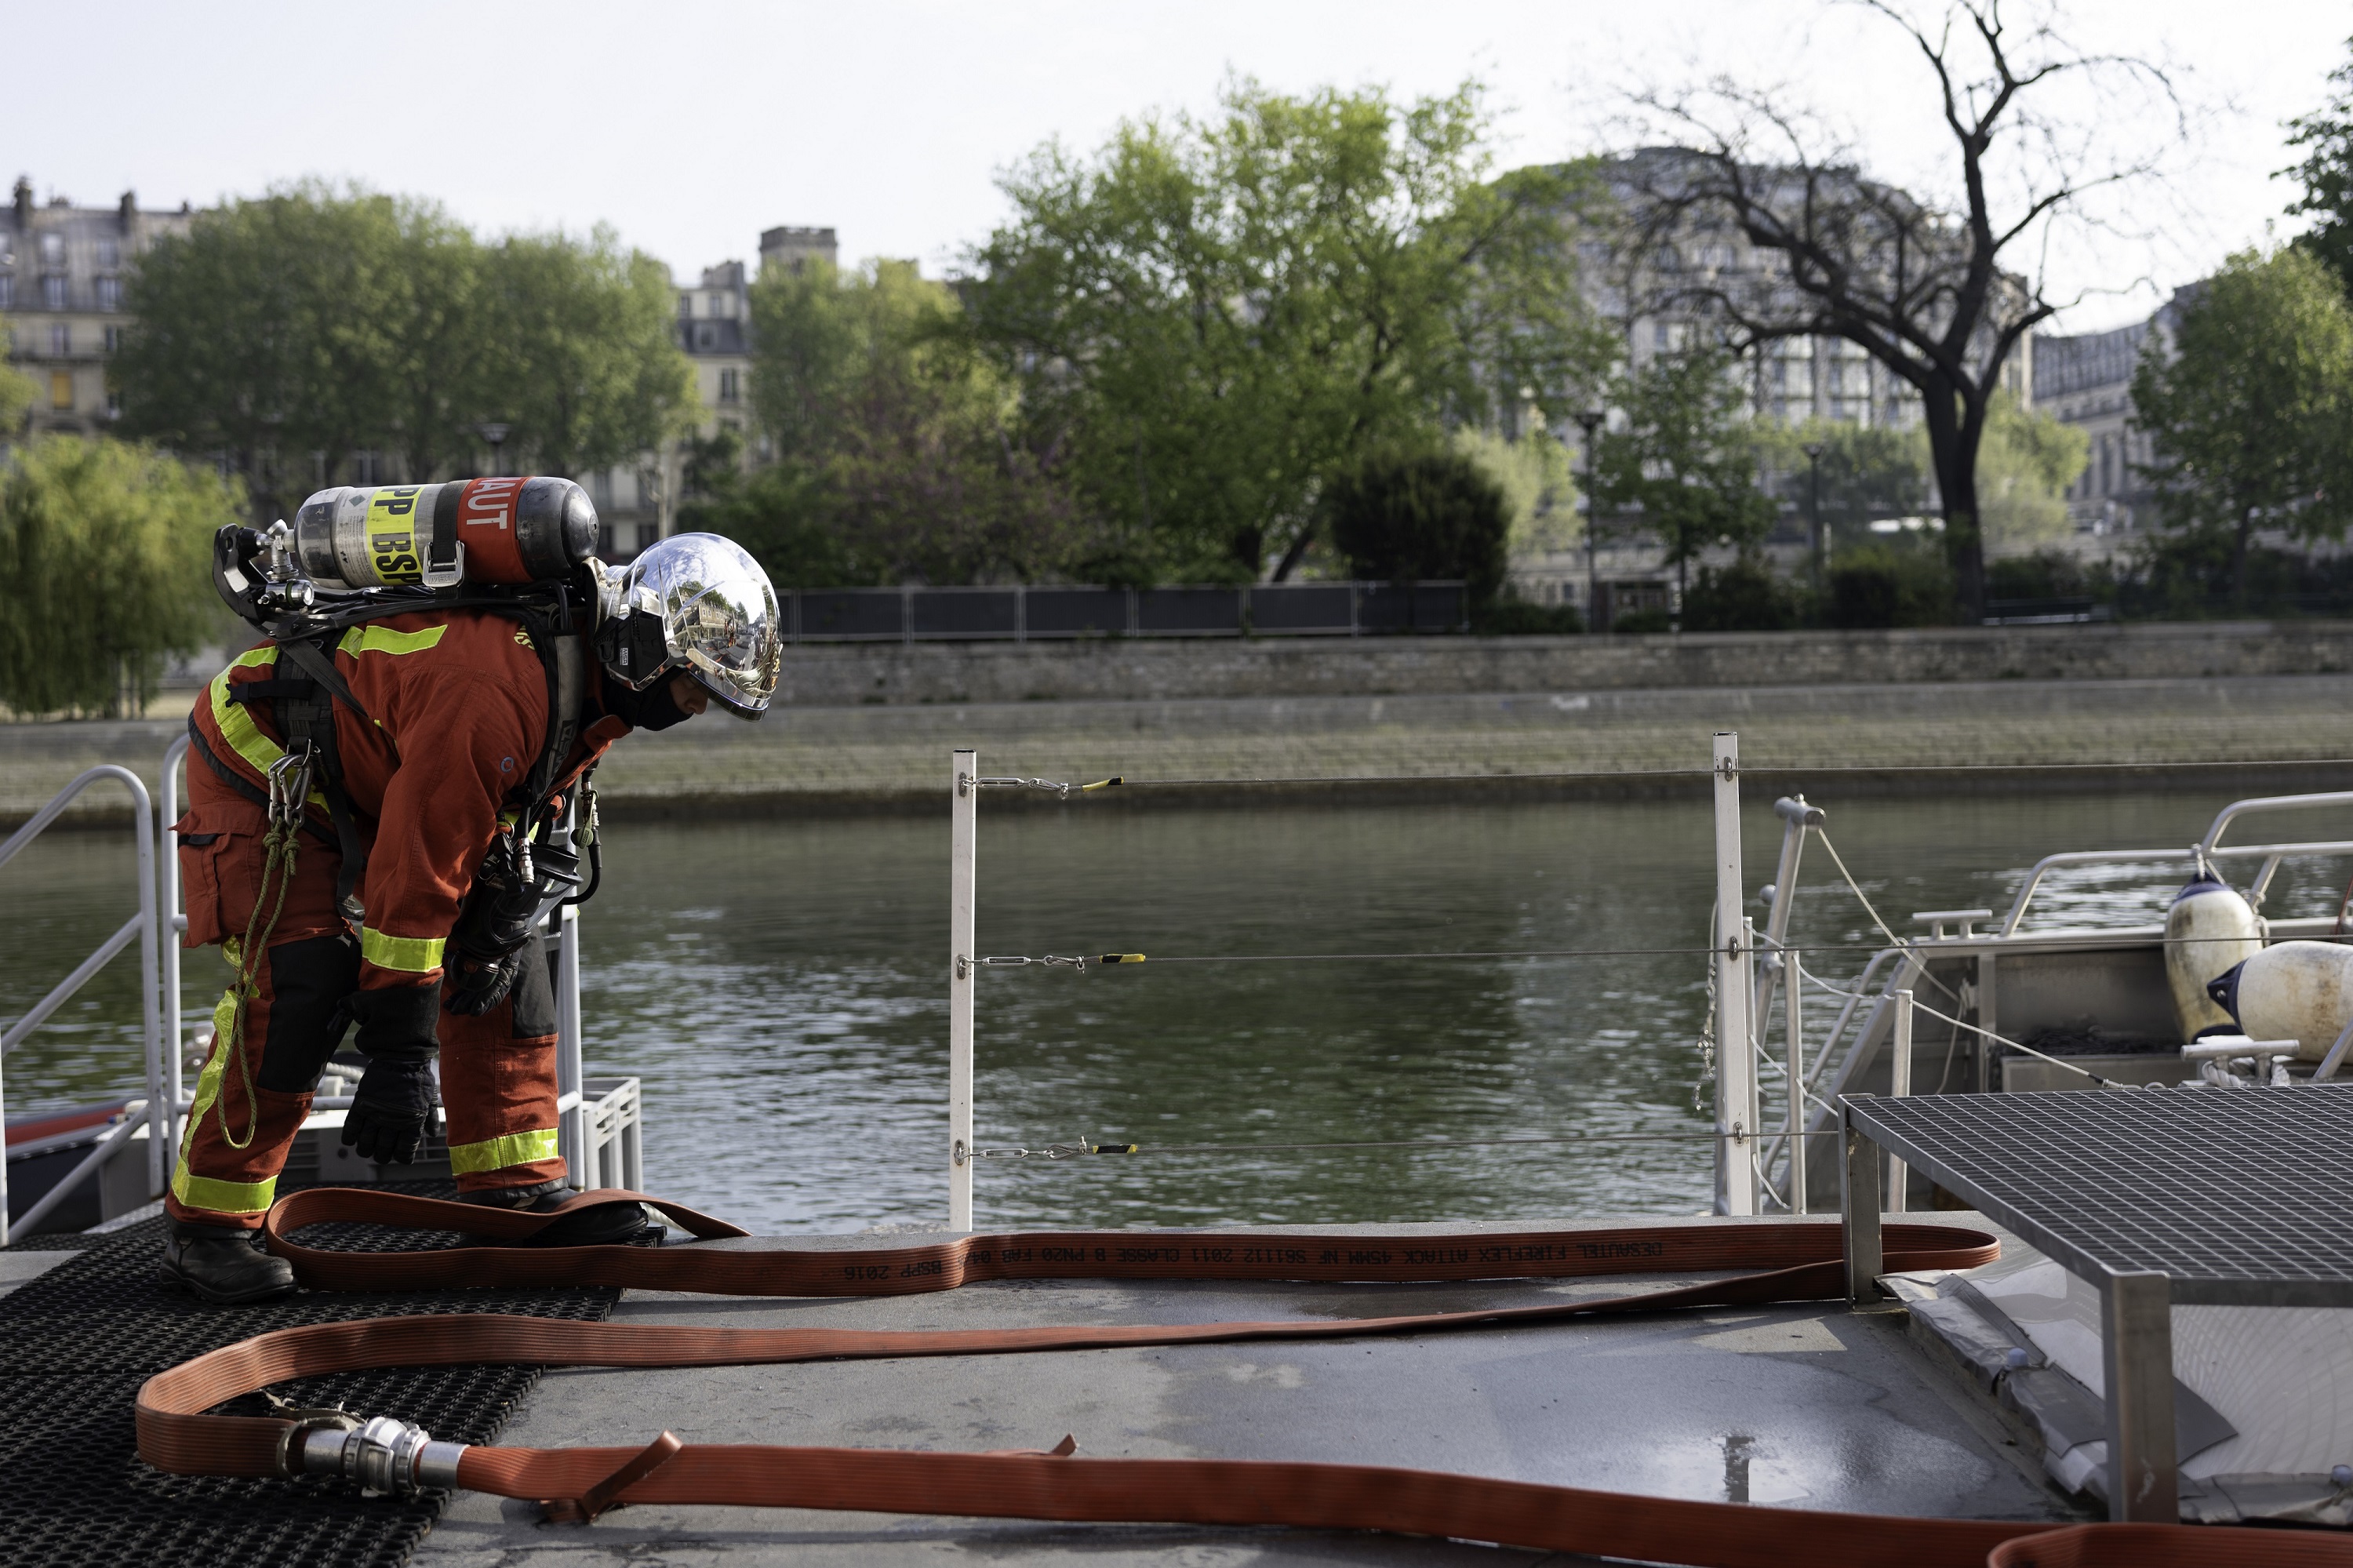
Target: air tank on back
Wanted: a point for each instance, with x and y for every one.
(507, 530)
(2208, 929)
(2293, 991)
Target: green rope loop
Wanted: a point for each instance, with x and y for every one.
(278, 846)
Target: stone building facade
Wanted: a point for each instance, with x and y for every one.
(2085, 380)
(61, 278)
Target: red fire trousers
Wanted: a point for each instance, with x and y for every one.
(497, 1071)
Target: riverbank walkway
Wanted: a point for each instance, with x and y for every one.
(2242, 733)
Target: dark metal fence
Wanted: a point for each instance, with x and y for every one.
(1044, 614)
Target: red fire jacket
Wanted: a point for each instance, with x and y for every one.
(458, 702)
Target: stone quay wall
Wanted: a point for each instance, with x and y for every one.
(1124, 670)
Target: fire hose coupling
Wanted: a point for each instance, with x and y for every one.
(383, 1454)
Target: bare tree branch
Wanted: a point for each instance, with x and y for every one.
(1931, 293)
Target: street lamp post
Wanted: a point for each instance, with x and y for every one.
(496, 434)
(1591, 419)
(1814, 505)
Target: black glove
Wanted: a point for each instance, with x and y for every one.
(390, 1110)
(487, 950)
(394, 1103)
(476, 985)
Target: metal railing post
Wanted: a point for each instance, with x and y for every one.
(168, 924)
(142, 926)
(2136, 1356)
(1795, 816)
(571, 1132)
(1735, 1063)
(572, 1125)
(1899, 1086)
(4, 1159)
(151, 998)
(1793, 1014)
(1859, 1210)
(964, 783)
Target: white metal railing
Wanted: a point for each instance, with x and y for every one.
(158, 928)
(170, 924)
(154, 1110)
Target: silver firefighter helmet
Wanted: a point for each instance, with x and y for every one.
(699, 603)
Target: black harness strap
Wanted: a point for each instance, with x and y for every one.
(306, 712)
(235, 780)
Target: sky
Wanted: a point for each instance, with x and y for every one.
(688, 129)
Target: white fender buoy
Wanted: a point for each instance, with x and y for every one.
(2291, 991)
(2208, 929)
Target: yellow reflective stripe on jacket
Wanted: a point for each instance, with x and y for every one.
(499, 1153)
(412, 955)
(362, 639)
(222, 1197)
(235, 720)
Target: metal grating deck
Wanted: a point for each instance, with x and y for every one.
(77, 1342)
(2239, 1197)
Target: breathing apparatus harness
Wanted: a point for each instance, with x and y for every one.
(520, 880)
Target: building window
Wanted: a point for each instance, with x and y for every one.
(685, 306)
(729, 390)
(7, 291)
(113, 404)
(705, 334)
(60, 390)
(110, 293)
(53, 292)
(114, 339)
(109, 253)
(60, 340)
(53, 249)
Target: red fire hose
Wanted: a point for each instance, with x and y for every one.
(1784, 1263)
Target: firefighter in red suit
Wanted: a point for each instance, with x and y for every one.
(453, 712)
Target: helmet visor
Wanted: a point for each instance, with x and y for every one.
(718, 618)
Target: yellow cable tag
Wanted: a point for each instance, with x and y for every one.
(1123, 957)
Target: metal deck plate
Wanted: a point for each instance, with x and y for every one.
(2239, 1198)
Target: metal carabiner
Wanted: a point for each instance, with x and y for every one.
(289, 785)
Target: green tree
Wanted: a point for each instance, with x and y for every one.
(1424, 517)
(1539, 487)
(107, 549)
(579, 353)
(265, 335)
(289, 332)
(2327, 175)
(1866, 472)
(1219, 316)
(2025, 464)
(782, 516)
(17, 392)
(2251, 414)
(899, 435)
(1684, 458)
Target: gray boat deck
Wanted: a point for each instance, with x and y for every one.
(1804, 1405)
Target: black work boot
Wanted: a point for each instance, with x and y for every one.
(221, 1263)
(616, 1224)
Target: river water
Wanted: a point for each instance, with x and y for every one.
(780, 987)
